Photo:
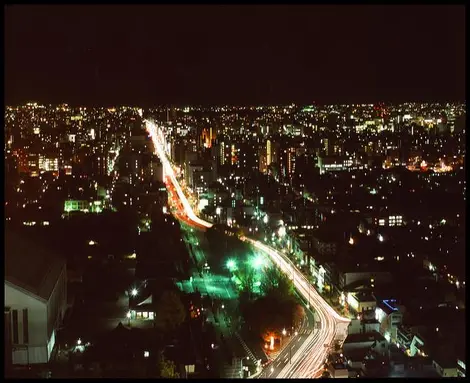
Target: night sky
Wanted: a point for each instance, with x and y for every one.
(149, 55)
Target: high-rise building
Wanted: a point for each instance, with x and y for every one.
(48, 164)
(206, 138)
(178, 152)
(291, 161)
(223, 152)
(155, 170)
(272, 152)
(268, 153)
(233, 154)
(101, 162)
(262, 162)
(33, 164)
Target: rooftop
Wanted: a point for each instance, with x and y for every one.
(357, 338)
(356, 354)
(30, 267)
(364, 297)
(388, 305)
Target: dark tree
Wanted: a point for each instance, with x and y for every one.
(171, 312)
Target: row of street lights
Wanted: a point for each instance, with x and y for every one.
(257, 262)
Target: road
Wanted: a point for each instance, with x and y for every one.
(177, 207)
(308, 359)
(157, 139)
(289, 350)
(219, 288)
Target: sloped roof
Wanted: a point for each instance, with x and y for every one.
(147, 301)
(30, 266)
(356, 354)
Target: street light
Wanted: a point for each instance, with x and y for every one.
(231, 265)
(134, 292)
(257, 262)
(284, 332)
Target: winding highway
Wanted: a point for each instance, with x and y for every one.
(308, 359)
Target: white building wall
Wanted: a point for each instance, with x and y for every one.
(355, 326)
(371, 327)
(416, 345)
(37, 326)
(57, 304)
(445, 372)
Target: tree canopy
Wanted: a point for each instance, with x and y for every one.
(276, 309)
(167, 369)
(170, 312)
(277, 284)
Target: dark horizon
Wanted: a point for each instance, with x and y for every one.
(147, 105)
(234, 55)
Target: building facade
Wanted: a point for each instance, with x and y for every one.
(35, 301)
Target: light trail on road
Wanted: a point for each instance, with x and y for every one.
(329, 318)
(309, 359)
(179, 209)
(153, 131)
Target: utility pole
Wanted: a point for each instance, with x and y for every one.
(309, 297)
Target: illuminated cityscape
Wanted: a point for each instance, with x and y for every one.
(196, 239)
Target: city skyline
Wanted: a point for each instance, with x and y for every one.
(203, 220)
(235, 192)
(150, 55)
